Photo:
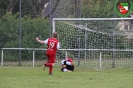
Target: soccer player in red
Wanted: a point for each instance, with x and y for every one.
(52, 46)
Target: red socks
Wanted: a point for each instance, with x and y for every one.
(50, 67)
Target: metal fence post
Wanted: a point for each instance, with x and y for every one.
(2, 58)
(20, 35)
(100, 59)
(33, 58)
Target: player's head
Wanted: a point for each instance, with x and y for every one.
(69, 59)
(55, 35)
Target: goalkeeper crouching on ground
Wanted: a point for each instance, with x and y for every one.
(67, 65)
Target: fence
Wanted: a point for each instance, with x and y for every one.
(96, 61)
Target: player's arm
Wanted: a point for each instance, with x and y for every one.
(64, 66)
(58, 45)
(40, 41)
(63, 62)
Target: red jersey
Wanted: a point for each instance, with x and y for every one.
(52, 45)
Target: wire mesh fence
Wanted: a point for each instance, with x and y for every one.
(94, 58)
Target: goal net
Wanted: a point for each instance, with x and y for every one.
(94, 42)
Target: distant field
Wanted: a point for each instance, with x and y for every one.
(35, 77)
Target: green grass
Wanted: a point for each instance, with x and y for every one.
(35, 77)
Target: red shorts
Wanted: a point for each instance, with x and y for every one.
(51, 58)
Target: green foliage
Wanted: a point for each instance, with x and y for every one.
(97, 8)
(8, 27)
(31, 28)
(69, 8)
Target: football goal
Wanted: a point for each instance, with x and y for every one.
(96, 42)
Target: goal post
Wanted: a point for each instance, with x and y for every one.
(87, 40)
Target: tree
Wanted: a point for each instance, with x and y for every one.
(11, 5)
(31, 28)
(97, 8)
(55, 6)
(7, 6)
(3, 7)
(36, 7)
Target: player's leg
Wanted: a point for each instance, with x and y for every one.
(64, 70)
(70, 67)
(51, 63)
(44, 65)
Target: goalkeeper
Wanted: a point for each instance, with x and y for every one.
(67, 65)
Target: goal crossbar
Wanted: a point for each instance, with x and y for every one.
(84, 19)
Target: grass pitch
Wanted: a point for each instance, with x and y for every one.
(35, 77)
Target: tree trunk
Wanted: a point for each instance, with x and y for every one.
(11, 5)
